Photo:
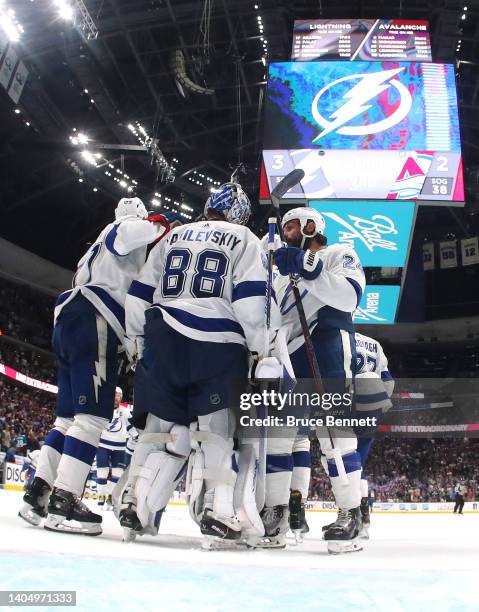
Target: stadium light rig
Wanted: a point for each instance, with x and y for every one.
(167, 171)
(9, 23)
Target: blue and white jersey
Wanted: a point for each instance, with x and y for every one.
(328, 300)
(371, 358)
(105, 272)
(209, 281)
(114, 437)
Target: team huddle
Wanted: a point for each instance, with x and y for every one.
(186, 304)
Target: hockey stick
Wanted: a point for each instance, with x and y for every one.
(289, 181)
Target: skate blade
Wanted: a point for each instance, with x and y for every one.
(213, 543)
(266, 542)
(364, 533)
(298, 536)
(29, 516)
(129, 535)
(59, 523)
(338, 547)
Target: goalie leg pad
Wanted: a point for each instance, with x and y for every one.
(211, 477)
(245, 492)
(161, 471)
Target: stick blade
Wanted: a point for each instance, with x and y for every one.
(287, 183)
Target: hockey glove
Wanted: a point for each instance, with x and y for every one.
(267, 370)
(291, 260)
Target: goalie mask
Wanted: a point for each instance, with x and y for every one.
(232, 201)
(303, 215)
(128, 207)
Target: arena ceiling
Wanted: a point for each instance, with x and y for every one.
(126, 71)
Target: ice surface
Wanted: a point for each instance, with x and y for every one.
(412, 562)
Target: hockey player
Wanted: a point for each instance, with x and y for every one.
(110, 456)
(330, 280)
(88, 332)
(196, 308)
(373, 381)
(374, 386)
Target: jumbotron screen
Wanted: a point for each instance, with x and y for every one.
(361, 39)
(364, 130)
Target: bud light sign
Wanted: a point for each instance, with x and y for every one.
(379, 232)
(378, 305)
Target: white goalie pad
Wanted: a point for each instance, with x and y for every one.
(157, 478)
(244, 498)
(210, 471)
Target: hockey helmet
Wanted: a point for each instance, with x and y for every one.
(232, 201)
(130, 207)
(120, 391)
(303, 215)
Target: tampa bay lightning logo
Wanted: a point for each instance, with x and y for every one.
(370, 85)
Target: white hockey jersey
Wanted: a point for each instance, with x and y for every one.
(115, 436)
(329, 300)
(371, 358)
(106, 270)
(209, 280)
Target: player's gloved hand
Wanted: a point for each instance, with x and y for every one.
(267, 370)
(291, 260)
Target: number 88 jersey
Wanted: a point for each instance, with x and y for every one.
(209, 280)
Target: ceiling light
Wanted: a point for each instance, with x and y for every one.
(95, 189)
(80, 180)
(17, 111)
(10, 25)
(65, 10)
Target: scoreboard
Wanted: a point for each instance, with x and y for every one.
(361, 39)
(364, 130)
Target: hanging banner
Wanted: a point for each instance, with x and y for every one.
(7, 66)
(428, 256)
(470, 251)
(448, 254)
(18, 82)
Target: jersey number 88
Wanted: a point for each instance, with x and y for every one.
(208, 279)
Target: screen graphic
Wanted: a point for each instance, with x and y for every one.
(378, 305)
(379, 232)
(361, 39)
(364, 130)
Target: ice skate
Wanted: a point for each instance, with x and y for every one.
(35, 507)
(276, 526)
(297, 516)
(101, 502)
(67, 513)
(365, 519)
(220, 531)
(343, 535)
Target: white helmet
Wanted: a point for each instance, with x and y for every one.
(119, 390)
(304, 214)
(130, 207)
